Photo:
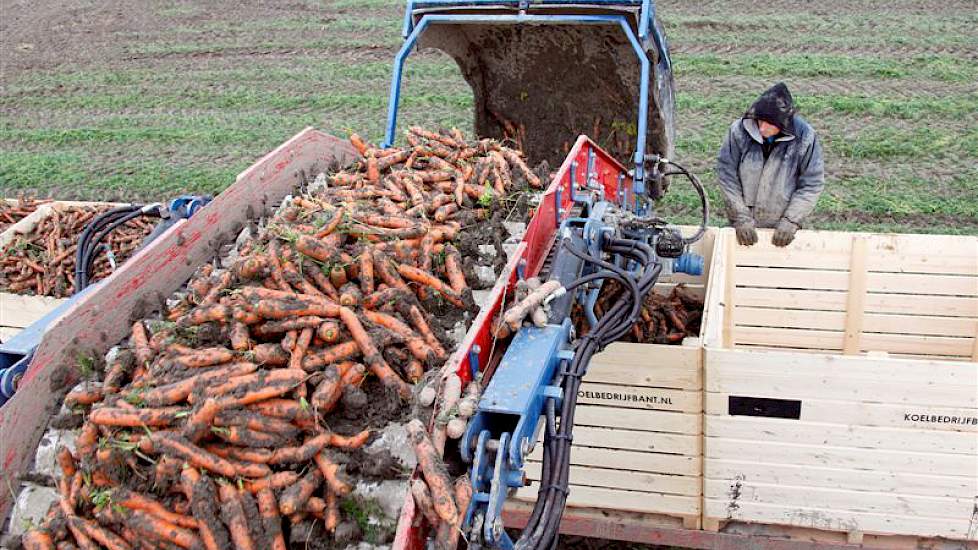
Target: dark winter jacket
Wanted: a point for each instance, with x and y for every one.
(785, 185)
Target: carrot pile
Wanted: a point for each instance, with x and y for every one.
(666, 319)
(11, 213)
(211, 427)
(42, 261)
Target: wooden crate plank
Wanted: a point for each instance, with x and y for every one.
(872, 322)
(25, 225)
(841, 478)
(904, 253)
(939, 346)
(678, 465)
(840, 457)
(646, 441)
(635, 419)
(101, 318)
(826, 300)
(630, 501)
(621, 479)
(922, 416)
(638, 397)
(837, 520)
(867, 437)
(648, 365)
(923, 284)
(789, 278)
(892, 283)
(19, 310)
(862, 386)
(903, 504)
(855, 298)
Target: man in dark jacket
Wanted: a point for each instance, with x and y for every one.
(770, 169)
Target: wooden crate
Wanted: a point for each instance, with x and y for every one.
(638, 425)
(18, 311)
(841, 385)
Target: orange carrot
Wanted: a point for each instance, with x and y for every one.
(66, 461)
(429, 280)
(415, 344)
(453, 268)
(301, 345)
(385, 270)
(302, 453)
(434, 471)
(103, 536)
(84, 396)
(154, 528)
(328, 392)
(328, 332)
(136, 501)
(240, 339)
(422, 497)
(205, 314)
(199, 422)
(252, 267)
(230, 452)
(372, 356)
(358, 143)
(223, 282)
(330, 470)
(280, 309)
(116, 372)
(178, 446)
(140, 343)
(349, 441)
(270, 355)
(332, 513)
(261, 378)
(417, 318)
(37, 539)
(293, 499)
(314, 248)
(234, 517)
(203, 502)
(331, 226)
(270, 519)
(322, 281)
(278, 480)
(388, 297)
(179, 391)
(204, 357)
(110, 416)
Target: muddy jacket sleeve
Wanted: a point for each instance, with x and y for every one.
(811, 181)
(728, 173)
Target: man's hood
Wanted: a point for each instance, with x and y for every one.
(775, 106)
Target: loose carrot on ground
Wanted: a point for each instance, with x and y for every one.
(388, 296)
(332, 513)
(203, 502)
(136, 501)
(328, 392)
(155, 528)
(294, 497)
(422, 277)
(419, 322)
(116, 372)
(37, 539)
(415, 344)
(299, 351)
(204, 357)
(234, 517)
(84, 396)
(256, 421)
(277, 480)
(270, 355)
(349, 441)
(434, 471)
(384, 268)
(280, 309)
(224, 280)
(205, 314)
(372, 356)
(179, 391)
(107, 416)
(178, 446)
(330, 470)
(453, 269)
(302, 453)
(240, 338)
(284, 325)
(140, 343)
(447, 536)
(422, 498)
(271, 521)
(259, 379)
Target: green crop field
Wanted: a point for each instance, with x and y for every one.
(99, 100)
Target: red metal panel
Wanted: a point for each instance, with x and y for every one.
(411, 531)
(103, 317)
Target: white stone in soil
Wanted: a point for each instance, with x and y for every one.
(45, 461)
(394, 439)
(481, 297)
(318, 183)
(457, 334)
(388, 494)
(515, 229)
(487, 250)
(510, 248)
(31, 507)
(486, 275)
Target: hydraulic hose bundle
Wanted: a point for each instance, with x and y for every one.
(542, 529)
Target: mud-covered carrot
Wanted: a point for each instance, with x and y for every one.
(371, 355)
(271, 521)
(330, 471)
(434, 471)
(84, 396)
(204, 504)
(327, 394)
(422, 277)
(302, 453)
(278, 480)
(204, 357)
(294, 497)
(234, 517)
(422, 498)
(140, 343)
(178, 446)
(136, 501)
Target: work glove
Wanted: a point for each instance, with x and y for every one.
(746, 234)
(784, 232)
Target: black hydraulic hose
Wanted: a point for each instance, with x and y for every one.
(85, 251)
(542, 528)
(704, 203)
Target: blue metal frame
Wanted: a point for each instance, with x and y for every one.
(523, 18)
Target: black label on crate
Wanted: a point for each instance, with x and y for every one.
(764, 406)
(625, 397)
(940, 419)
